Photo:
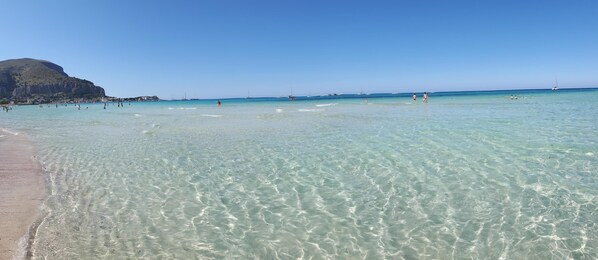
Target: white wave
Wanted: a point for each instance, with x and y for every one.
(138, 115)
(590, 154)
(182, 108)
(279, 110)
(9, 132)
(208, 115)
(308, 110)
(327, 105)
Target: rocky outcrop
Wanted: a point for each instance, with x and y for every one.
(26, 79)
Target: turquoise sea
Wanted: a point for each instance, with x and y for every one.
(467, 175)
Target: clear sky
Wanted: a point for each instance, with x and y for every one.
(208, 49)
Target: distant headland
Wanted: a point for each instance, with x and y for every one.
(31, 81)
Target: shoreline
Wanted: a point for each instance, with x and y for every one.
(22, 189)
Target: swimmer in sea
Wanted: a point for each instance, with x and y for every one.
(219, 103)
(425, 97)
(414, 97)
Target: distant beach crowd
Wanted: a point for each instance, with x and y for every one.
(6, 108)
(120, 103)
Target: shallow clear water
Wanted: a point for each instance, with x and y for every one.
(477, 176)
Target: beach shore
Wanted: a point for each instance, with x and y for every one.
(22, 189)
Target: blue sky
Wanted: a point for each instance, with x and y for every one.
(208, 49)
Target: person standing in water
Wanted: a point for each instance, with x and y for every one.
(425, 97)
(219, 103)
(414, 97)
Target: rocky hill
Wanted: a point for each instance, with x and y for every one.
(39, 81)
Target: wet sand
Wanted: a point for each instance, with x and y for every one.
(22, 189)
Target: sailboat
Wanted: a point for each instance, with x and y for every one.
(556, 84)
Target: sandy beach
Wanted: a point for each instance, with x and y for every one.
(22, 188)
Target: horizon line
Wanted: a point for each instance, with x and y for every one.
(355, 95)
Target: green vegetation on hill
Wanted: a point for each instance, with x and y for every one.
(39, 81)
